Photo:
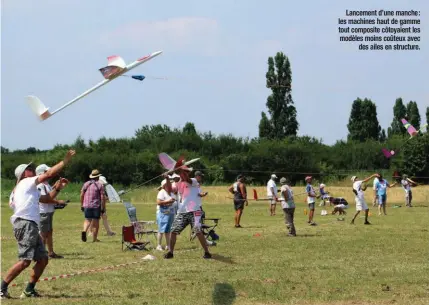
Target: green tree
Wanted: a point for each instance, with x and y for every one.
(399, 112)
(189, 128)
(280, 103)
(265, 128)
(363, 123)
(383, 136)
(413, 114)
(427, 115)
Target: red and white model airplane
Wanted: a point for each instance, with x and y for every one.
(116, 67)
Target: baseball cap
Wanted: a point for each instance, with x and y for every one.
(174, 176)
(322, 185)
(198, 173)
(283, 180)
(240, 176)
(354, 178)
(41, 169)
(273, 176)
(20, 169)
(308, 177)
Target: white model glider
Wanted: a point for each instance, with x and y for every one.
(115, 67)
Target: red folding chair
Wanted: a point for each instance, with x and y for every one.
(129, 239)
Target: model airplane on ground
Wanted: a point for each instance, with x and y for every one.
(116, 67)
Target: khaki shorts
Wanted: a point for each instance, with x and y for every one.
(46, 222)
(30, 245)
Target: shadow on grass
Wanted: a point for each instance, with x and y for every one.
(223, 259)
(223, 294)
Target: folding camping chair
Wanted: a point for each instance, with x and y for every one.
(208, 231)
(141, 228)
(129, 239)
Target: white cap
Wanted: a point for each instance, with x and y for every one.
(41, 169)
(354, 178)
(102, 179)
(322, 185)
(20, 169)
(174, 176)
(273, 176)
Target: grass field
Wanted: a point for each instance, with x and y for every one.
(332, 263)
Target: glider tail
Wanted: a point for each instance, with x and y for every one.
(38, 107)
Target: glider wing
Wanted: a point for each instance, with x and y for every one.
(166, 161)
(410, 128)
(112, 194)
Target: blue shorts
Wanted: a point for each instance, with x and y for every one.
(382, 199)
(164, 222)
(92, 213)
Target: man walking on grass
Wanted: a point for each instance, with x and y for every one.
(272, 194)
(358, 190)
(288, 205)
(93, 204)
(238, 189)
(189, 212)
(26, 221)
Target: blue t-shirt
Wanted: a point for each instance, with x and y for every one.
(381, 187)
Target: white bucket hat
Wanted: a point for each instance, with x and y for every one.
(20, 169)
(102, 179)
(273, 176)
(41, 169)
(354, 178)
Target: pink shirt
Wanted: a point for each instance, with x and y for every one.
(94, 194)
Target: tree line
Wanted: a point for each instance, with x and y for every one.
(278, 149)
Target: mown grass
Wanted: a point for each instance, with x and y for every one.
(332, 263)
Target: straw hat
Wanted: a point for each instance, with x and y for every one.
(94, 174)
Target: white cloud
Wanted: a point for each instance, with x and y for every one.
(184, 34)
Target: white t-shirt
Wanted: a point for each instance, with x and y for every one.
(163, 195)
(45, 208)
(374, 184)
(310, 189)
(26, 198)
(406, 185)
(271, 184)
(287, 204)
(357, 187)
(11, 203)
(190, 201)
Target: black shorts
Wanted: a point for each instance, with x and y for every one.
(92, 213)
(238, 204)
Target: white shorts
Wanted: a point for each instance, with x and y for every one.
(272, 200)
(361, 204)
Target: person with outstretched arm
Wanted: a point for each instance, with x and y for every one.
(26, 221)
(358, 190)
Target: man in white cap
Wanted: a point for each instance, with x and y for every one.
(272, 194)
(93, 204)
(164, 213)
(47, 209)
(106, 224)
(175, 178)
(374, 188)
(189, 212)
(406, 185)
(25, 221)
(359, 189)
(288, 205)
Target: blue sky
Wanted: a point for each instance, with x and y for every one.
(216, 54)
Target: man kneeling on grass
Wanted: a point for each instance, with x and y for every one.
(189, 212)
(26, 222)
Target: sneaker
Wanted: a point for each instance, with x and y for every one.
(367, 223)
(30, 294)
(292, 235)
(238, 226)
(167, 248)
(4, 295)
(111, 234)
(84, 236)
(207, 255)
(313, 224)
(168, 255)
(159, 248)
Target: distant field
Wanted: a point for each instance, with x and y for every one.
(333, 263)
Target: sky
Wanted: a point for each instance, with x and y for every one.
(215, 55)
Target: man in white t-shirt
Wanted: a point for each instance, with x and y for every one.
(25, 221)
(406, 185)
(189, 212)
(358, 190)
(175, 178)
(272, 194)
(288, 205)
(47, 209)
(374, 188)
(311, 199)
(164, 212)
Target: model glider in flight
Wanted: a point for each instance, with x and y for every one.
(116, 67)
(413, 133)
(171, 165)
